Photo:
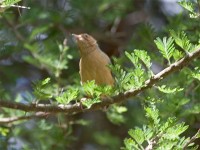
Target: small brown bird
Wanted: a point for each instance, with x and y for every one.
(94, 62)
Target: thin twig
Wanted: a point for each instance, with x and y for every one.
(16, 6)
(14, 119)
(153, 142)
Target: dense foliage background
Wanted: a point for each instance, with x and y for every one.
(39, 61)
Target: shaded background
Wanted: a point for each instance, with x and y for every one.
(29, 48)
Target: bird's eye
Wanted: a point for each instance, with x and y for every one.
(85, 35)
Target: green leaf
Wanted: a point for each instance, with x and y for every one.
(193, 110)
(196, 74)
(44, 125)
(165, 134)
(90, 101)
(83, 122)
(148, 133)
(182, 40)
(67, 96)
(187, 5)
(115, 114)
(137, 134)
(138, 77)
(144, 57)
(94, 92)
(90, 88)
(153, 114)
(4, 131)
(177, 54)
(174, 132)
(166, 47)
(181, 142)
(190, 6)
(134, 59)
(135, 77)
(120, 75)
(7, 3)
(130, 144)
(53, 62)
(41, 89)
(168, 90)
(168, 124)
(62, 62)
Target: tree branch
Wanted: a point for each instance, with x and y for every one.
(153, 142)
(13, 119)
(196, 136)
(76, 108)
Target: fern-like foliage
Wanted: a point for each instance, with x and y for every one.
(7, 3)
(43, 58)
(115, 114)
(68, 96)
(94, 93)
(139, 58)
(166, 47)
(134, 59)
(196, 73)
(42, 89)
(157, 133)
(144, 57)
(168, 90)
(182, 40)
(190, 6)
(120, 75)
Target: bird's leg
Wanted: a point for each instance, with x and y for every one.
(81, 102)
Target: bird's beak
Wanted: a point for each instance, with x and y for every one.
(77, 37)
(74, 35)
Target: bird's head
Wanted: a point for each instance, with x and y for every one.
(85, 42)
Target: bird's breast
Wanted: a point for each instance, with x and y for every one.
(95, 67)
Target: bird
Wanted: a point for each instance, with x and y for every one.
(94, 62)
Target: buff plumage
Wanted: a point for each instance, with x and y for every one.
(94, 63)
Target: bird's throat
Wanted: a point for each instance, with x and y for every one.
(87, 51)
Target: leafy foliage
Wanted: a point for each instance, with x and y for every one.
(29, 51)
(139, 57)
(95, 93)
(68, 96)
(4, 131)
(196, 74)
(157, 133)
(41, 89)
(41, 58)
(105, 138)
(164, 89)
(115, 114)
(166, 47)
(182, 40)
(190, 6)
(93, 90)
(5, 4)
(132, 78)
(8, 3)
(120, 76)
